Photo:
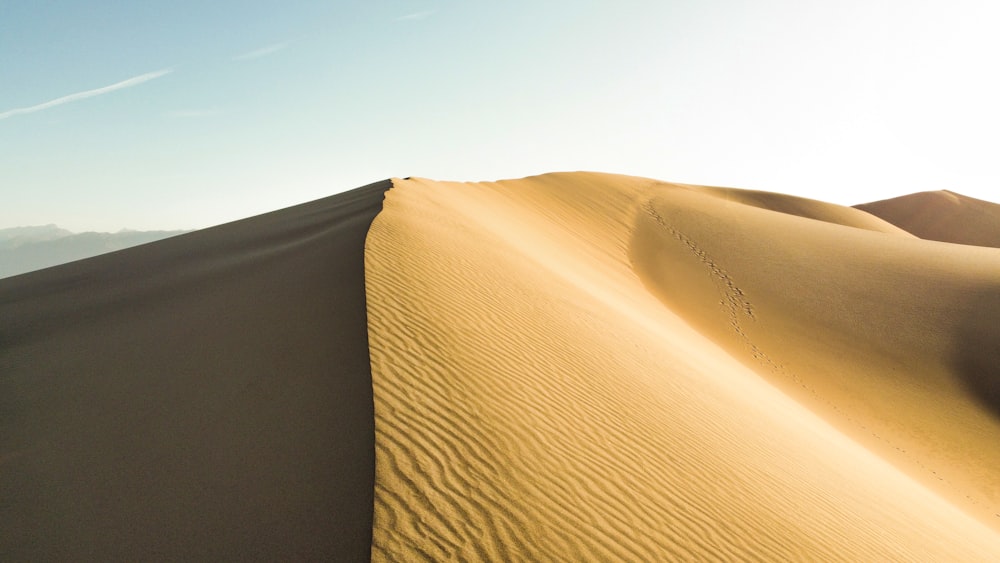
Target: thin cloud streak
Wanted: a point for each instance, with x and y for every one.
(262, 52)
(128, 83)
(416, 15)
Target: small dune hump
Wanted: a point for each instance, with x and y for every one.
(590, 367)
(943, 216)
(803, 207)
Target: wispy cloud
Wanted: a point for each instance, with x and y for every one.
(262, 52)
(128, 83)
(416, 15)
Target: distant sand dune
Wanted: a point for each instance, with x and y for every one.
(801, 207)
(536, 399)
(942, 215)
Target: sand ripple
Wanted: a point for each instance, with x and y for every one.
(535, 402)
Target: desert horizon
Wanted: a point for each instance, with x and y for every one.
(27, 248)
(569, 366)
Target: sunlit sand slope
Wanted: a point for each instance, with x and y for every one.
(204, 398)
(892, 338)
(549, 387)
(942, 215)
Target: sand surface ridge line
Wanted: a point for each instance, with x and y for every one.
(207, 397)
(537, 399)
(943, 216)
(803, 207)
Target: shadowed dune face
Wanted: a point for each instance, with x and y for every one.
(535, 401)
(942, 216)
(977, 357)
(950, 217)
(207, 397)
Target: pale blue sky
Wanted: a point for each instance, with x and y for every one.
(182, 114)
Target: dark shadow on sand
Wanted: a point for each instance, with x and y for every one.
(205, 397)
(978, 351)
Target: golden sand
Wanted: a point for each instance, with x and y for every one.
(942, 215)
(595, 367)
(570, 367)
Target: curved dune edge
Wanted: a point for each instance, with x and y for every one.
(536, 400)
(202, 398)
(891, 338)
(943, 216)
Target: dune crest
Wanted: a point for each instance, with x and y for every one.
(567, 367)
(943, 216)
(803, 207)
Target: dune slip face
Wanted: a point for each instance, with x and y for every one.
(569, 367)
(206, 397)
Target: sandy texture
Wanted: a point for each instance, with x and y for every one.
(942, 215)
(893, 339)
(593, 367)
(206, 397)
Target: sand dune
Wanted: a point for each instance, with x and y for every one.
(587, 367)
(569, 367)
(891, 338)
(207, 397)
(942, 215)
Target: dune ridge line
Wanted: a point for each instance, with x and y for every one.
(557, 376)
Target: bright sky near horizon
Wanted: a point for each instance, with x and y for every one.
(183, 114)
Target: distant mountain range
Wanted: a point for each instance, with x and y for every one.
(25, 249)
